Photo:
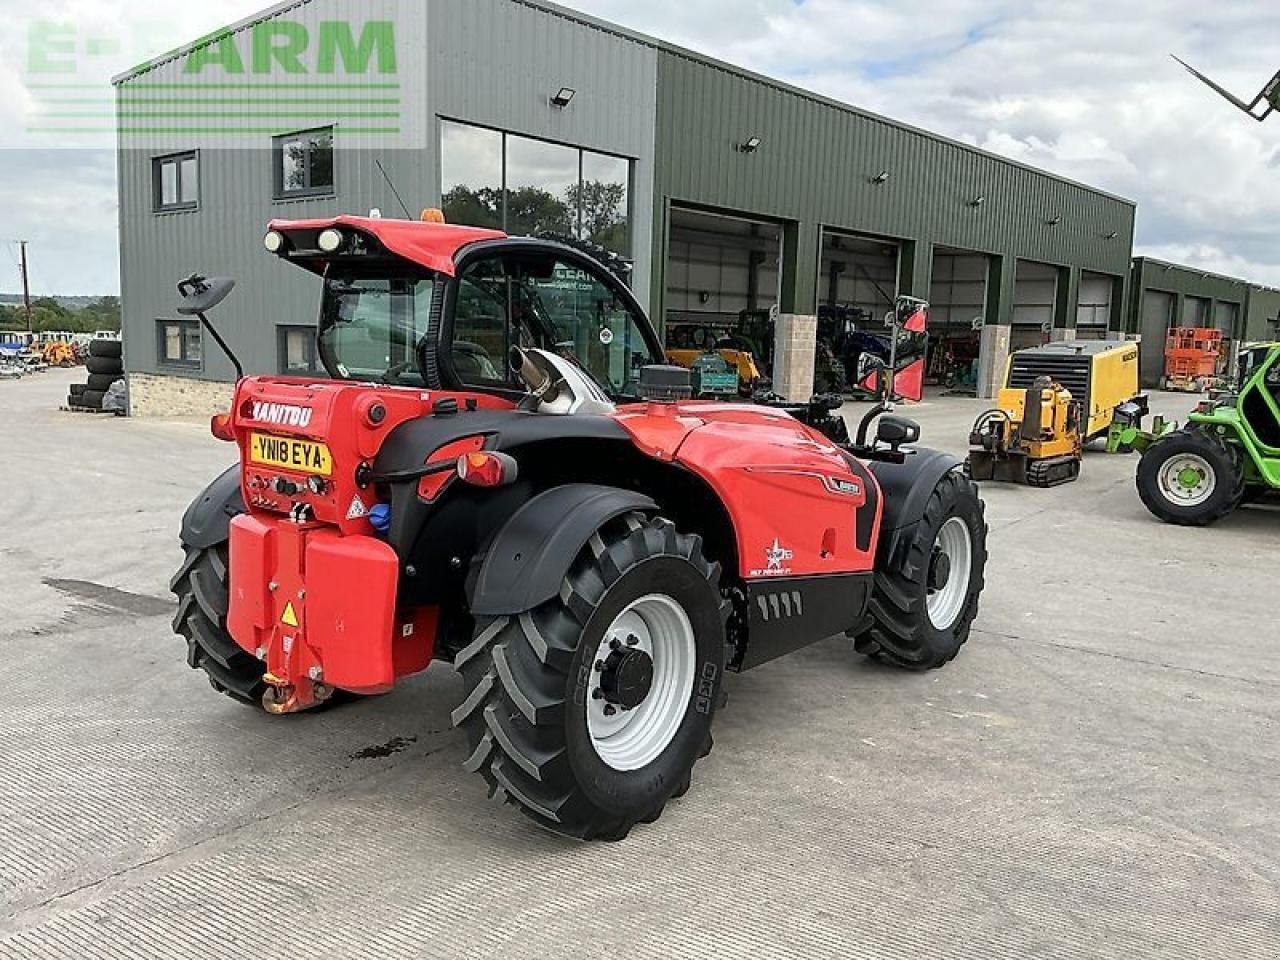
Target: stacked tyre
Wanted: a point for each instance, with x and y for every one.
(106, 366)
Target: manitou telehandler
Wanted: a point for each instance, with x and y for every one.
(500, 473)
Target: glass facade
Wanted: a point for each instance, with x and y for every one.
(528, 187)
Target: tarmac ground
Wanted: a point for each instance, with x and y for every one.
(1095, 776)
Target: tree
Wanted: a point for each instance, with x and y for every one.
(604, 212)
(532, 210)
(474, 208)
(48, 314)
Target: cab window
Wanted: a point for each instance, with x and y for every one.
(550, 302)
(370, 327)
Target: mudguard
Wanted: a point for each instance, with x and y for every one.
(532, 553)
(906, 488)
(207, 521)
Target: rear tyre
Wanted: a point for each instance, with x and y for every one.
(105, 365)
(590, 711)
(201, 587)
(92, 399)
(1190, 478)
(102, 381)
(110, 349)
(926, 596)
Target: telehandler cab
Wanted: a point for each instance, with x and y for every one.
(501, 474)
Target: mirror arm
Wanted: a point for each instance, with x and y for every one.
(865, 426)
(235, 361)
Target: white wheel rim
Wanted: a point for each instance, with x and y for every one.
(947, 602)
(1187, 480)
(630, 739)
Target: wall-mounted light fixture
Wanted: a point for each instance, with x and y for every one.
(1054, 220)
(977, 201)
(880, 178)
(563, 97)
(750, 145)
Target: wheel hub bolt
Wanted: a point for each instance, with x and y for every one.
(615, 644)
(609, 710)
(633, 641)
(597, 694)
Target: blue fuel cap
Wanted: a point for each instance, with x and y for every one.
(380, 517)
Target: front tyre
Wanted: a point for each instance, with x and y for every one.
(1190, 478)
(589, 711)
(926, 594)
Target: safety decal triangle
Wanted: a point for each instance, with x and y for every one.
(289, 618)
(358, 509)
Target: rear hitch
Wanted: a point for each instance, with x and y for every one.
(282, 698)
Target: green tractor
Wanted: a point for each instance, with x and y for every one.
(1229, 450)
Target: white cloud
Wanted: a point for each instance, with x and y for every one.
(1084, 88)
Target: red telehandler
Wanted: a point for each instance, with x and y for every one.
(501, 473)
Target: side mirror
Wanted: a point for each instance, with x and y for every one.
(912, 314)
(201, 294)
(870, 375)
(896, 431)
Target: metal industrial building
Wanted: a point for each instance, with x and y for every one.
(1165, 295)
(730, 191)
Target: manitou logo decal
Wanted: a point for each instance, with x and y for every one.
(282, 414)
(850, 488)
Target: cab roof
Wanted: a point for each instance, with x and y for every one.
(431, 245)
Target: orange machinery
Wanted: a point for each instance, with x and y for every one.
(1191, 358)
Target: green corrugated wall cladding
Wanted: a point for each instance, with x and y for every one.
(817, 159)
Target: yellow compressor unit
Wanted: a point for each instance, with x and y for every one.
(1102, 376)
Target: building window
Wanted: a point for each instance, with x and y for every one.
(304, 164)
(297, 347)
(179, 343)
(527, 187)
(175, 182)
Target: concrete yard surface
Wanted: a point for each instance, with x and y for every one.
(1095, 776)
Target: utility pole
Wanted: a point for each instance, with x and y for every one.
(26, 284)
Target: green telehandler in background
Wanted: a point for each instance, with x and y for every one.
(1228, 451)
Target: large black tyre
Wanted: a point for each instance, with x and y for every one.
(531, 685)
(105, 365)
(110, 349)
(1164, 478)
(102, 381)
(201, 587)
(77, 390)
(92, 399)
(922, 606)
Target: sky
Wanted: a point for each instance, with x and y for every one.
(1082, 88)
